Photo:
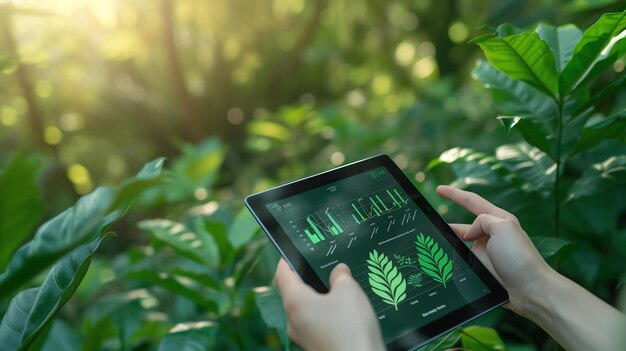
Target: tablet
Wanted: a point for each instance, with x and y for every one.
(421, 279)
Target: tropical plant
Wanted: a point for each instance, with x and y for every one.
(67, 242)
(433, 261)
(556, 87)
(385, 279)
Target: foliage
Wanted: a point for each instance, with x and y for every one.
(67, 242)
(244, 97)
(554, 86)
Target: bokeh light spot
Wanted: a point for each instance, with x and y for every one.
(420, 177)
(201, 194)
(458, 32)
(424, 67)
(52, 135)
(235, 115)
(337, 158)
(381, 85)
(405, 52)
(8, 116)
(43, 89)
(427, 49)
(79, 175)
(71, 122)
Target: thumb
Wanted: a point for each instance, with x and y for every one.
(339, 273)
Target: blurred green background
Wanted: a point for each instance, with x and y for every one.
(239, 96)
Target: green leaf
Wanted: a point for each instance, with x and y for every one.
(529, 163)
(600, 130)
(56, 238)
(549, 246)
(148, 176)
(562, 40)
(171, 284)
(530, 131)
(243, 229)
(218, 231)
(199, 277)
(516, 98)
(433, 261)
(78, 225)
(472, 167)
(31, 310)
(20, 205)
(197, 246)
(523, 56)
(596, 44)
(600, 177)
(481, 339)
(272, 311)
(192, 336)
(385, 279)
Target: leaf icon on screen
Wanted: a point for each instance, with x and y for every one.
(385, 279)
(433, 261)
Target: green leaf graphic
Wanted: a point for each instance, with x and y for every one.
(434, 262)
(385, 279)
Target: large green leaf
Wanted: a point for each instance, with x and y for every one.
(472, 167)
(478, 338)
(530, 131)
(529, 163)
(523, 56)
(243, 229)
(198, 246)
(75, 226)
(20, 205)
(31, 310)
(596, 44)
(272, 311)
(385, 279)
(562, 40)
(602, 129)
(485, 174)
(600, 177)
(516, 98)
(192, 336)
(433, 261)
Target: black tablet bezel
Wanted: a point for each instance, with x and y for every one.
(256, 203)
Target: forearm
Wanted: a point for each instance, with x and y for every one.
(574, 317)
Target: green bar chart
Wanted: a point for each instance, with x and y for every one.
(337, 218)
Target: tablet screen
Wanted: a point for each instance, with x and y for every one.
(409, 271)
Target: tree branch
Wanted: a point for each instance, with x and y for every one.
(192, 119)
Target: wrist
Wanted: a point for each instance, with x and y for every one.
(539, 297)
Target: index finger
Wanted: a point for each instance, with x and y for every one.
(288, 281)
(471, 201)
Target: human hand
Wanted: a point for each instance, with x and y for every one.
(342, 319)
(501, 245)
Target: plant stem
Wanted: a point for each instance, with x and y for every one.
(557, 203)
